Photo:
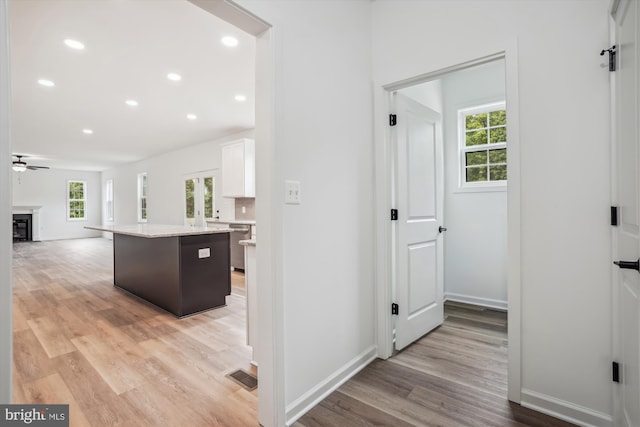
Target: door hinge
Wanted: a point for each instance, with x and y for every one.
(616, 372)
(612, 57)
(394, 214)
(392, 119)
(394, 308)
(614, 216)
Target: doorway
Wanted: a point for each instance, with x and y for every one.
(202, 197)
(428, 88)
(472, 102)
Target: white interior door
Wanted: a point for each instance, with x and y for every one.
(627, 284)
(419, 189)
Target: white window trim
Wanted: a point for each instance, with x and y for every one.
(109, 210)
(483, 186)
(84, 199)
(142, 196)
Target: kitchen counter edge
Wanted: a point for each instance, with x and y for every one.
(158, 230)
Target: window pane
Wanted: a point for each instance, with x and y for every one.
(498, 135)
(497, 118)
(189, 187)
(498, 156)
(208, 197)
(477, 137)
(476, 121)
(476, 173)
(476, 158)
(498, 173)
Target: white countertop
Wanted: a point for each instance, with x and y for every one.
(234, 221)
(158, 230)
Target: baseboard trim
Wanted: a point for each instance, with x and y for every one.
(484, 302)
(314, 396)
(564, 410)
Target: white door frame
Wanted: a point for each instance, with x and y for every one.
(271, 397)
(6, 180)
(384, 198)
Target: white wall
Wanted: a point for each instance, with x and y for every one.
(323, 138)
(428, 94)
(165, 185)
(564, 173)
(476, 239)
(6, 295)
(48, 188)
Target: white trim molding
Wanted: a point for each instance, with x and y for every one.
(314, 396)
(558, 408)
(483, 302)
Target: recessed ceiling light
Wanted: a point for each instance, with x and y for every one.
(131, 102)
(191, 116)
(240, 98)
(47, 83)
(87, 131)
(174, 76)
(229, 41)
(74, 44)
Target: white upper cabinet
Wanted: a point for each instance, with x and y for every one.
(239, 168)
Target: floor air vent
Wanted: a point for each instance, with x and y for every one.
(245, 379)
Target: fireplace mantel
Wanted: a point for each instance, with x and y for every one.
(35, 219)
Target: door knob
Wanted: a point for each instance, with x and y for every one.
(631, 265)
(441, 229)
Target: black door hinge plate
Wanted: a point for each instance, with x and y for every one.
(394, 308)
(394, 214)
(392, 119)
(616, 372)
(614, 216)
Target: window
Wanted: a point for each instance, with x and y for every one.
(483, 146)
(76, 200)
(108, 200)
(199, 191)
(142, 197)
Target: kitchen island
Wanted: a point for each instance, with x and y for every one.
(183, 270)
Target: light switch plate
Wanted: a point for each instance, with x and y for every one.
(292, 195)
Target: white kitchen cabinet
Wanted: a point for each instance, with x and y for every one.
(239, 168)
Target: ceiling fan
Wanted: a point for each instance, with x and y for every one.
(21, 166)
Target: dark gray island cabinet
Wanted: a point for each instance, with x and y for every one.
(183, 270)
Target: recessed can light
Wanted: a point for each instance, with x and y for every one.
(229, 41)
(87, 131)
(174, 76)
(240, 98)
(74, 44)
(191, 116)
(131, 102)
(47, 83)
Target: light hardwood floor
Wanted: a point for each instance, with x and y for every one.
(120, 362)
(116, 360)
(454, 376)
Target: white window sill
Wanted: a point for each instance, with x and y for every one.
(482, 188)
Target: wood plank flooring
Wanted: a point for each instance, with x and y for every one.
(116, 360)
(454, 376)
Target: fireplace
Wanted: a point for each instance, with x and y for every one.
(22, 214)
(22, 228)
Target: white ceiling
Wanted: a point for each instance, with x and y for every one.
(131, 46)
